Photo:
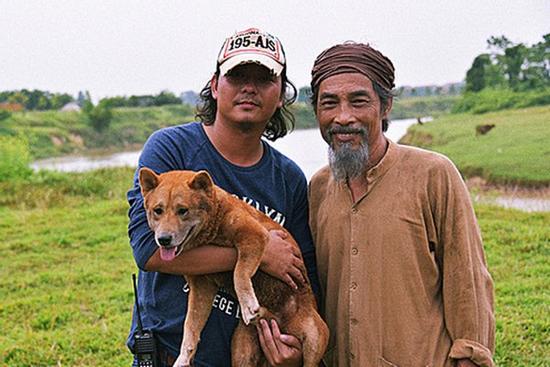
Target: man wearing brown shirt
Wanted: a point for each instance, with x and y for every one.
(399, 251)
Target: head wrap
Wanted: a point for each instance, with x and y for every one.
(353, 58)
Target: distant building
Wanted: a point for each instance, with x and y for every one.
(71, 107)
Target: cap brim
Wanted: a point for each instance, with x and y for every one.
(266, 61)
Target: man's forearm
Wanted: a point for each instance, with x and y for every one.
(197, 261)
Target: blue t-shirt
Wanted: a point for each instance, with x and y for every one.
(275, 185)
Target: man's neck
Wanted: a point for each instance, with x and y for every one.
(242, 148)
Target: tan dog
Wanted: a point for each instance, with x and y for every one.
(186, 210)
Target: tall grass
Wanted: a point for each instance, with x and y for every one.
(15, 158)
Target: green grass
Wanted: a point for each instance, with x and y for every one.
(54, 133)
(66, 292)
(517, 247)
(516, 151)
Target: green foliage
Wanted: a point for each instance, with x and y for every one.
(4, 115)
(163, 98)
(499, 99)
(54, 133)
(98, 116)
(36, 99)
(422, 106)
(508, 65)
(515, 151)
(14, 164)
(304, 115)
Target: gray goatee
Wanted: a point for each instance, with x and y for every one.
(347, 162)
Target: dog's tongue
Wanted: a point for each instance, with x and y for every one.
(167, 254)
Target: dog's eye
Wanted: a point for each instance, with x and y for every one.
(182, 211)
(158, 211)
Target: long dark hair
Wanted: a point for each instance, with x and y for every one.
(281, 123)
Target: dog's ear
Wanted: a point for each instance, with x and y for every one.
(202, 181)
(148, 180)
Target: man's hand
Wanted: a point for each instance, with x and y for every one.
(465, 363)
(282, 260)
(280, 350)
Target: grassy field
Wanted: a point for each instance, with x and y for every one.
(515, 151)
(65, 273)
(54, 133)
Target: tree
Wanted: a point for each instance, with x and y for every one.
(166, 97)
(59, 100)
(510, 65)
(82, 98)
(536, 72)
(99, 116)
(19, 98)
(475, 76)
(514, 58)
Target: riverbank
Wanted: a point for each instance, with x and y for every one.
(506, 148)
(526, 199)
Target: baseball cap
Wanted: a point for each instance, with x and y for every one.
(252, 46)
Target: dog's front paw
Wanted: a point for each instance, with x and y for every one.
(251, 311)
(182, 361)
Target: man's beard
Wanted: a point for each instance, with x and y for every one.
(347, 162)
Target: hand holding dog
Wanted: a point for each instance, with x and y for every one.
(280, 350)
(282, 260)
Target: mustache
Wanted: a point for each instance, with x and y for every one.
(247, 100)
(346, 130)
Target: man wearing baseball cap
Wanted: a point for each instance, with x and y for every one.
(244, 100)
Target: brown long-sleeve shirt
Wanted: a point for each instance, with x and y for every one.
(402, 269)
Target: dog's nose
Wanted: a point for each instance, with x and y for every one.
(165, 240)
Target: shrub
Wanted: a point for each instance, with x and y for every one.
(99, 116)
(15, 158)
(4, 114)
(500, 99)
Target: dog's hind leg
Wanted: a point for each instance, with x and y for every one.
(201, 295)
(245, 348)
(313, 332)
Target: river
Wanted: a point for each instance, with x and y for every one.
(305, 147)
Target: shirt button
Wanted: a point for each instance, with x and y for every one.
(354, 251)
(352, 356)
(354, 321)
(354, 210)
(353, 286)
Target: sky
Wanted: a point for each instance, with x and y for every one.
(124, 47)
